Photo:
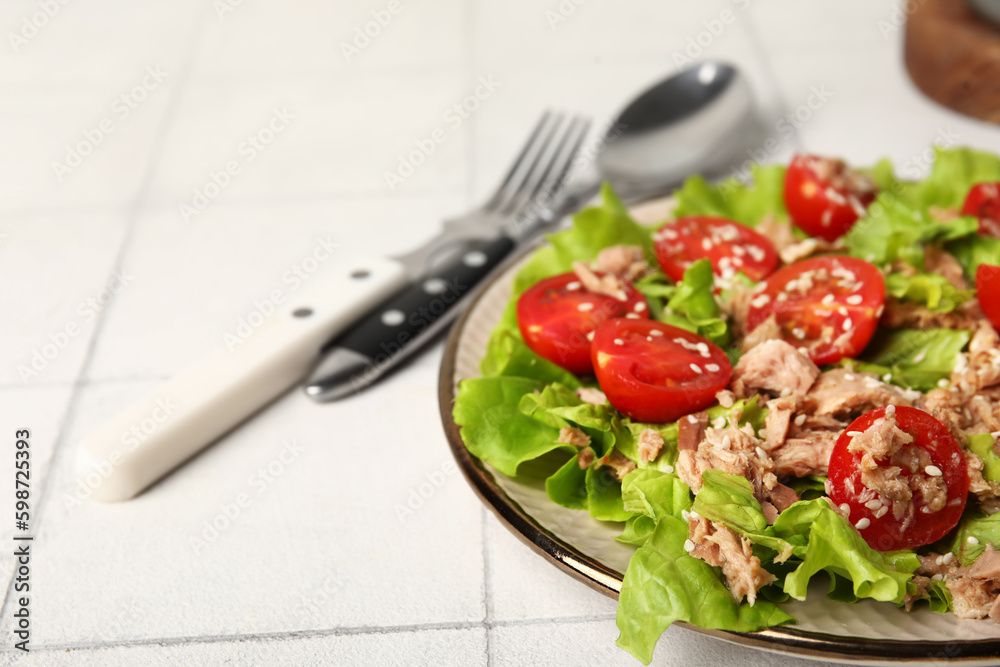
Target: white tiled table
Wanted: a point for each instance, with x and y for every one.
(320, 569)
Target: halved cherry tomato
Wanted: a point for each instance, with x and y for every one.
(988, 292)
(826, 306)
(983, 201)
(825, 197)
(656, 372)
(557, 314)
(728, 245)
(937, 455)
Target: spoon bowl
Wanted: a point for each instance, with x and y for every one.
(698, 121)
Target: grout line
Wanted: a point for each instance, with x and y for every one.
(488, 622)
(72, 404)
(292, 635)
(757, 46)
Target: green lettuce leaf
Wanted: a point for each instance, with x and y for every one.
(892, 230)
(983, 528)
(568, 486)
(981, 445)
(729, 499)
(655, 494)
(748, 204)
(594, 229)
(913, 358)
(929, 289)
(637, 530)
(493, 427)
(508, 355)
(953, 173)
(664, 584)
(693, 306)
(974, 250)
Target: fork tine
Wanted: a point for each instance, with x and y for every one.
(495, 200)
(545, 146)
(551, 181)
(556, 161)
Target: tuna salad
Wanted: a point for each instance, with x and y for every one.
(792, 377)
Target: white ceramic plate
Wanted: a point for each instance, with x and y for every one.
(867, 632)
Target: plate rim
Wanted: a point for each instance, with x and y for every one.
(596, 575)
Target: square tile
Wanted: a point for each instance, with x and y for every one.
(307, 517)
(524, 585)
(81, 148)
(97, 44)
(251, 40)
(312, 136)
(58, 273)
(193, 282)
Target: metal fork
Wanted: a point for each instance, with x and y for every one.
(446, 270)
(537, 175)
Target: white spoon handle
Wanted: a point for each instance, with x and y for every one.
(193, 409)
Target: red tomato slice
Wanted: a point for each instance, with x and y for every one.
(826, 306)
(983, 201)
(921, 526)
(656, 372)
(824, 197)
(988, 292)
(557, 314)
(728, 245)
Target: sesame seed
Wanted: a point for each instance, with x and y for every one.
(845, 508)
(828, 299)
(848, 377)
(851, 434)
(799, 333)
(920, 356)
(719, 422)
(761, 453)
(972, 539)
(585, 306)
(639, 307)
(760, 301)
(739, 251)
(890, 410)
(874, 505)
(848, 324)
(937, 577)
(706, 244)
(727, 442)
(696, 368)
(711, 368)
(854, 299)
(590, 336)
(800, 420)
(887, 377)
(842, 311)
(933, 471)
(688, 546)
(881, 512)
(947, 558)
(863, 523)
(631, 316)
(943, 383)
(655, 332)
(573, 286)
(619, 341)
